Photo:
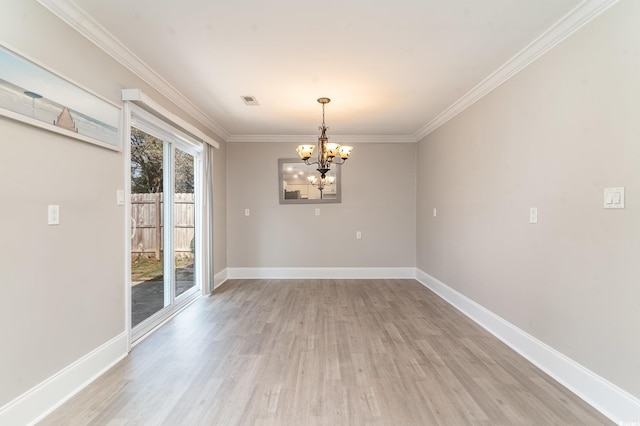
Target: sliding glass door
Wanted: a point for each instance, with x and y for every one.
(164, 222)
(148, 284)
(184, 225)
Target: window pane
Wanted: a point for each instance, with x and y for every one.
(184, 222)
(147, 277)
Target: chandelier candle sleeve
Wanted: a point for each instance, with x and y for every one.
(305, 151)
(332, 150)
(327, 151)
(345, 151)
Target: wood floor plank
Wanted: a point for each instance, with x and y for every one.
(323, 352)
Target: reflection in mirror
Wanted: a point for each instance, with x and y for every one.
(301, 184)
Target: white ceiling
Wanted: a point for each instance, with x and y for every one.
(390, 68)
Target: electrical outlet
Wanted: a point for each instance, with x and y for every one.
(53, 215)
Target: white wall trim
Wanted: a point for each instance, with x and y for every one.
(581, 15)
(32, 406)
(79, 20)
(325, 273)
(139, 97)
(615, 403)
(342, 139)
(219, 278)
(126, 164)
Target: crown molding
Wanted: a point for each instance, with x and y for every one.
(342, 139)
(581, 15)
(79, 20)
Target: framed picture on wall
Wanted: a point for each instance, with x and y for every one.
(33, 94)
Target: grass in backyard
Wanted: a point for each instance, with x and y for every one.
(144, 269)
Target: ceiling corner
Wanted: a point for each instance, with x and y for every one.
(581, 15)
(71, 14)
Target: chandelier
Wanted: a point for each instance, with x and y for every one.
(327, 153)
(322, 182)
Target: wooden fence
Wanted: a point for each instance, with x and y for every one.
(147, 223)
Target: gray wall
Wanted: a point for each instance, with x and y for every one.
(378, 199)
(63, 287)
(553, 137)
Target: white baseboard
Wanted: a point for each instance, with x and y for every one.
(219, 278)
(615, 403)
(325, 273)
(32, 406)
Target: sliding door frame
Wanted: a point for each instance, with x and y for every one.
(172, 138)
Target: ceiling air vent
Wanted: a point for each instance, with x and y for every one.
(250, 100)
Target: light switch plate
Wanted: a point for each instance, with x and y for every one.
(120, 197)
(533, 215)
(614, 198)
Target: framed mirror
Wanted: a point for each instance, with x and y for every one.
(300, 184)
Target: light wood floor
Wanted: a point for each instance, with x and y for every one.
(323, 352)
